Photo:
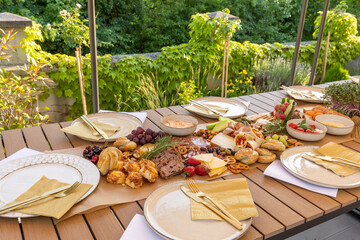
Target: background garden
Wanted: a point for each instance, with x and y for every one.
(190, 46)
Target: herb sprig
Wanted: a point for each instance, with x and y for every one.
(160, 146)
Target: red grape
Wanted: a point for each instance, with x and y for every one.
(134, 132)
(136, 140)
(148, 131)
(142, 141)
(148, 138)
(139, 136)
(140, 130)
(131, 137)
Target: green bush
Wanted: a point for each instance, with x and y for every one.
(336, 73)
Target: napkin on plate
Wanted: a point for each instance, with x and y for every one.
(55, 207)
(138, 228)
(193, 108)
(335, 150)
(233, 194)
(83, 130)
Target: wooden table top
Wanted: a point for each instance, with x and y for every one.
(284, 209)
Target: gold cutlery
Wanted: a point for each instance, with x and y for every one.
(93, 126)
(195, 189)
(193, 196)
(333, 159)
(30, 202)
(198, 104)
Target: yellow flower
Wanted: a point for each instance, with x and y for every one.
(243, 91)
(241, 81)
(236, 80)
(245, 72)
(251, 78)
(254, 87)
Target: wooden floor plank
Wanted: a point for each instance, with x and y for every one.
(154, 119)
(253, 107)
(354, 191)
(164, 111)
(126, 211)
(39, 142)
(10, 229)
(74, 228)
(271, 98)
(56, 138)
(291, 199)
(264, 101)
(38, 228)
(345, 198)
(271, 205)
(266, 224)
(104, 224)
(13, 141)
(252, 234)
(327, 204)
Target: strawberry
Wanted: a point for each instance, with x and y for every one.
(282, 108)
(189, 171)
(192, 161)
(201, 170)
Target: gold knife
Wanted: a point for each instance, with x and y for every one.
(93, 126)
(48, 193)
(191, 195)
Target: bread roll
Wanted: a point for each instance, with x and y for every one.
(116, 177)
(275, 145)
(108, 159)
(265, 156)
(148, 172)
(144, 162)
(246, 156)
(134, 180)
(124, 144)
(132, 166)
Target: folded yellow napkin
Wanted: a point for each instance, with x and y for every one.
(335, 150)
(233, 194)
(83, 130)
(55, 207)
(194, 108)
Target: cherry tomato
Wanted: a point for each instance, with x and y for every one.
(300, 129)
(313, 126)
(293, 125)
(308, 131)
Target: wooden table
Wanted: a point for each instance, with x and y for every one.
(284, 209)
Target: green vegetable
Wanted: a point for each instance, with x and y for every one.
(304, 125)
(276, 126)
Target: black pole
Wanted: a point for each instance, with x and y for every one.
(318, 44)
(93, 53)
(298, 40)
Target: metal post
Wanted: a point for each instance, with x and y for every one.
(298, 40)
(318, 44)
(93, 53)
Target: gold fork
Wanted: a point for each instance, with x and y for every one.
(36, 200)
(195, 189)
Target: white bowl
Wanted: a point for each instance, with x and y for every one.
(304, 135)
(178, 131)
(335, 118)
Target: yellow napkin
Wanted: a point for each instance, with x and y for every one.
(55, 207)
(83, 130)
(233, 194)
(335, 150)
(193, 108)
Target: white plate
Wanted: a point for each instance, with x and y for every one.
(235, 108)
(167, 210)
(313, 173)
(17, 176)
(318, 92)
(126, 122)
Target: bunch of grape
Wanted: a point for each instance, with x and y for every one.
(141, 137)
(281, 138)
(280, 111)
(93, 152)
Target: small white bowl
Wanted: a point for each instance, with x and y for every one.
(304, 135)
(335, 118)
(178, 131)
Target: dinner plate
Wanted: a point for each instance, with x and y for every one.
(313, 173)
(126, 122)
(316, 91)
(17, 176)
(235, 108)
(167, 210)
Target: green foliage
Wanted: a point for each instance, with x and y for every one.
(336, 73)
(344, 97)
(19, 94)
(188, 90)
(270, 74)
(241, 85)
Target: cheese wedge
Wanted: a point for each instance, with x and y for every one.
(217, 171)
(216, 163)
(204, 158)
(223, 140)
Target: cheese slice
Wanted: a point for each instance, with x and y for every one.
(217, 171)
(216, 163)
(223, 140)
(204, 158)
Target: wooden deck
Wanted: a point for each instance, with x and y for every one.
(284, 209)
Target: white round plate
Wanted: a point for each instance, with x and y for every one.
(236, 108)
(316, 91)
(126, 122)
(167, 210)
(313, 173)
(17, 176)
